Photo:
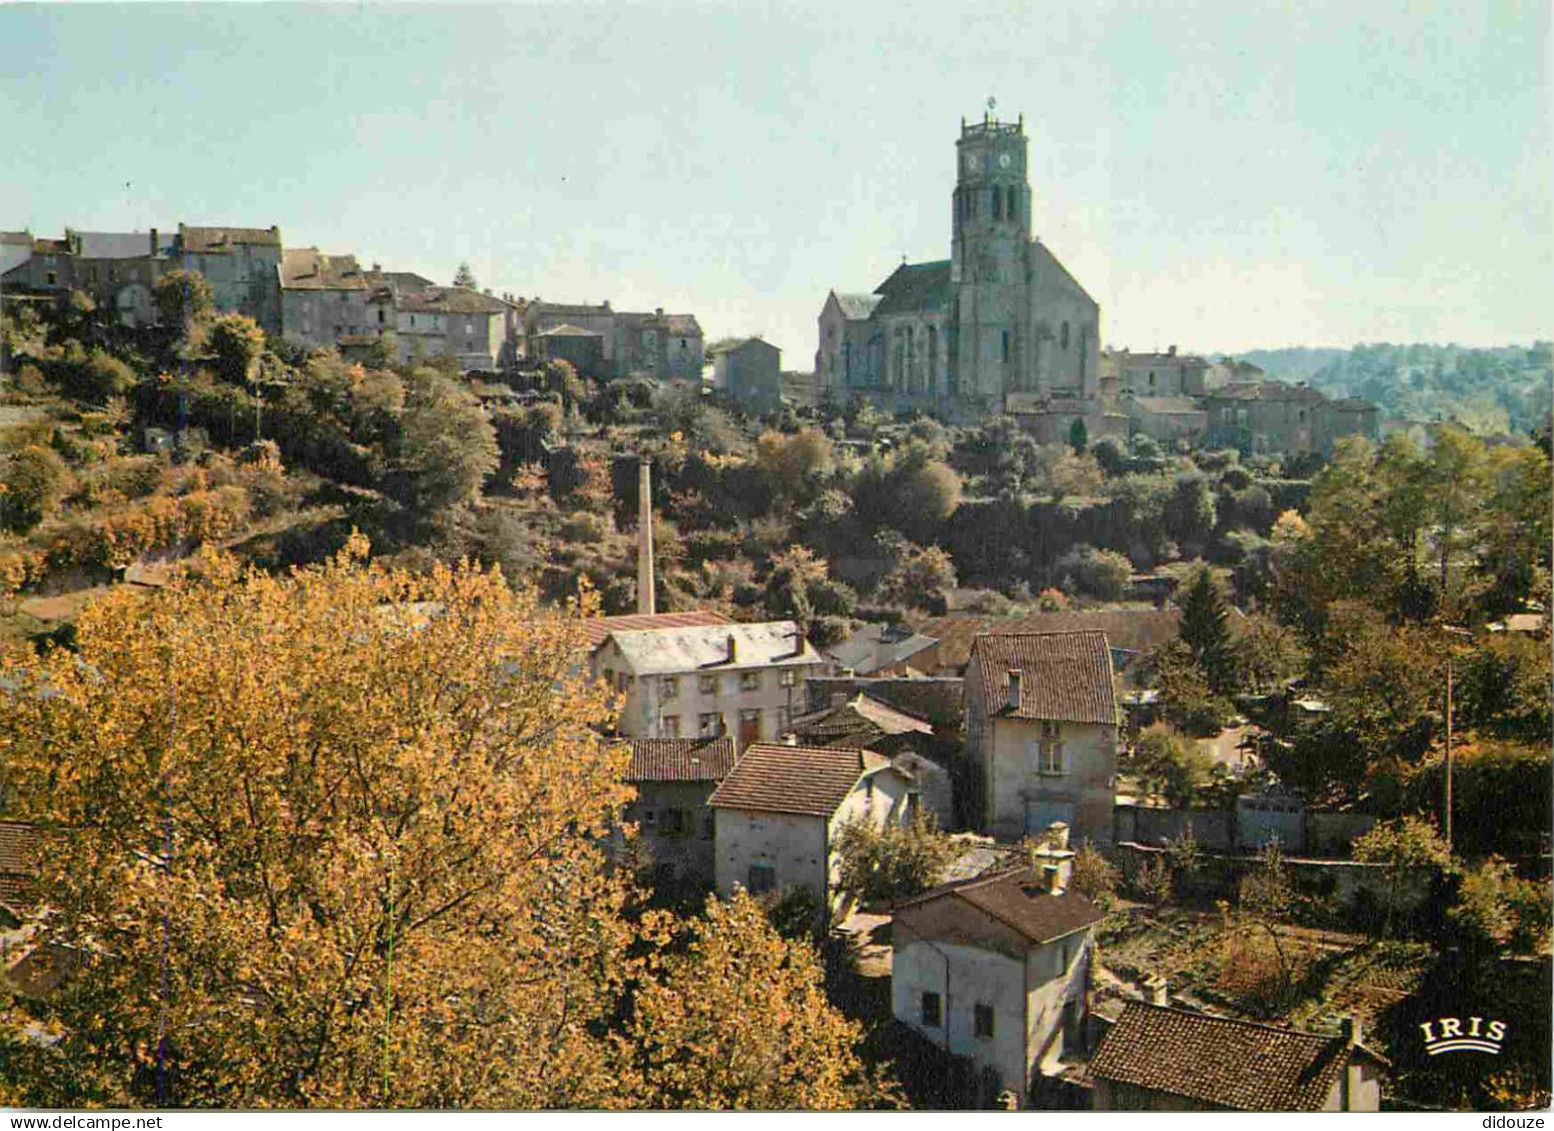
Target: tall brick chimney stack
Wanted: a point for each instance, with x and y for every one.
(645, 602)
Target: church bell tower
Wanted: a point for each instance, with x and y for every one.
(991, 226)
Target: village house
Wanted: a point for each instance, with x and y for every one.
(582, 349)
(749, 372)
(657, 345)
(1131, 634)
(1041, 731)
(674, 777)
(997, 969)
(704, 680)
(1168, 374)
(1155, 1058)
(865, 723)
(478, 330)
(883, 649)
(779, 813)
(117, 269)
(326, 299)
(242, 266)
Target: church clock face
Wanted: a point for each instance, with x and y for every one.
(971, 162)
(1003, 160)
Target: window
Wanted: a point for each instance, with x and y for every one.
(762, 879)
(1151, 378)
(52, 278)
(671, 726)
(674, 823)
(380, 316)
(1012, 209)
(932, 1012)
(708, 828)
(749, 681)
(787, 678)
(1050, 729)
(1006, 346)
(1063, 336)
(707, 725)
(1050, 759)
(982, 1020)
(707, 684)
(671, 687)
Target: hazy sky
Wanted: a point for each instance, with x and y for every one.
(1220, 175)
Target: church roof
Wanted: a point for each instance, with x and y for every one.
(856, 307)
(1042, 254)
(915, 286)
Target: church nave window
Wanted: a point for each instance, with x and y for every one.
(1063, 336)
(1006, 347)
(998, 204)
(1011, 210)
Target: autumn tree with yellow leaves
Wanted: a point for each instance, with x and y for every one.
(335, 838)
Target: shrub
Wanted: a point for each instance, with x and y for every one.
(1102, 574)
(32, 482)
(878, 865)
(1094, 877)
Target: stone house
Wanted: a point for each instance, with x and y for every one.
(1168, 420)
(779, 812)
(1168, 374)
(582, 349)
(746, 680)
(1050, 418)
(328, 299)
(884, 649)
(242, 266)
(1131, 634)
(1042, 731)
(997, 969)
(477, 329)
(666, 347)
(118, 270)
(865, 723)
(749, 372)
(1155, 1058)
(674, 777)
(1265, 416)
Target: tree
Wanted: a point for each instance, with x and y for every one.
(1501, 911)
(1403, 846)
(794, 467)
(1094, 877)
(1078, 435)
(185, 303)
(1455, 480)
(325, 847)
(921, 580)
(1102, 574)
(465, 278)
(894, 862)
(32, 482)
(1204, 631)
(447, 445)
(1187, 700)
(383, 353)
(734, 1017)
(796, 572)
(1174, 765)
(238, 343)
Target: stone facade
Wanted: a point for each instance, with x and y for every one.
(658, 345)
(1002, 315)
(749, 372)
(326, 299)
(242, 266)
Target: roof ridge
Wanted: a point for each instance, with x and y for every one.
(1245, 1024)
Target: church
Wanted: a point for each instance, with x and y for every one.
(1000, 326)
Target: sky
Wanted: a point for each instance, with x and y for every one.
(1218, 174)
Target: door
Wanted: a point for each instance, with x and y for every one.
(1041, 815)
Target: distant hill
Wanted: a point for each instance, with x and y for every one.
(1496, 390)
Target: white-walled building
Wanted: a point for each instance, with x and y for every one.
(779, 813)
(745, 680)
(1041, 727)
(997, 969)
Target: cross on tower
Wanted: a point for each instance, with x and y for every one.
(992, 104)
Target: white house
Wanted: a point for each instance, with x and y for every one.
(703, 680)
(997, 969)
(1041, 728)
(777, 816)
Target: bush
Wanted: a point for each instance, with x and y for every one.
(1094, 877)
(1102, 574)
(898, 861)
(32, 482)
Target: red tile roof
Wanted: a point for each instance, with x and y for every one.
(1064, 676)
(806, 780)
(598, 628)
(1132, 629)
(680, 759)
(1221, 1062)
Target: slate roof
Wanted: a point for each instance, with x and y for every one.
(680, 759)
(1221, 1062)
(1016, 899)
(1137, 630)
(876, 646)
(567, 330)
(308, 269)
(120, 245)
(914, 287)
(697, 647)
(598, 628)
(224, 239)
(739, 344)
(804, 780)
(1064, 676)
(451, 300)
(400, 280)
(857, 307)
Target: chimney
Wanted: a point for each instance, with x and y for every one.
(1171, 352)
(658, 312)
(1057, 835)
(645, 602)
(1158, 991)
(1014, 689)
(153, 243)
(1352, 1030)
(1052, 879)
(733, 654)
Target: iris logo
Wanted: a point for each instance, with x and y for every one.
(1451, 1037)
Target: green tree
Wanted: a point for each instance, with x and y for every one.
(1206, 633)
(1172, 764)
(185, 303)
(1078, 435)
(465, 278)
(238, 343)
(794, 468)
(1455, 480)
(447, 445)
(921, 580)
(1187, 700)
(32, 482)
(881, 864)
(383, 353)
(96, 377)
(1403, 846)
(1102, 574)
